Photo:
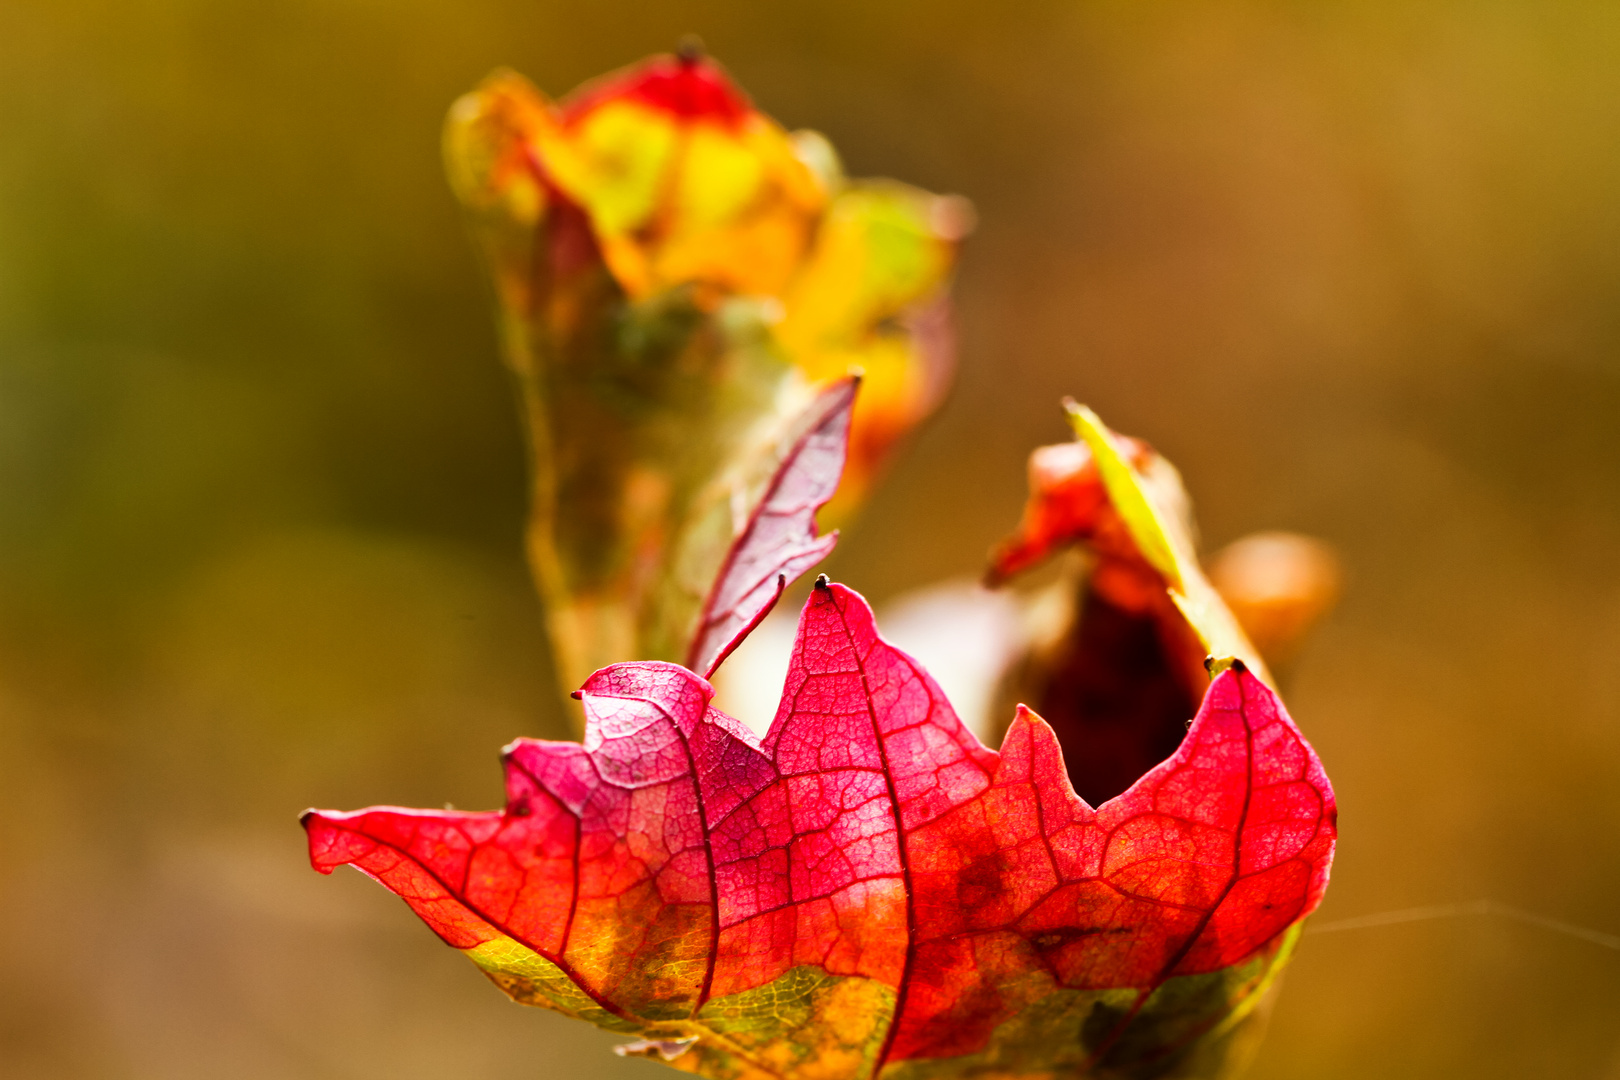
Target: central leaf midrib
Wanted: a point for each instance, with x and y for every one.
(900, 840)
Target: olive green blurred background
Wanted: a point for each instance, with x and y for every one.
(1355, 267)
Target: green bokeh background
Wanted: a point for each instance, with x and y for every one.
(1355, 267)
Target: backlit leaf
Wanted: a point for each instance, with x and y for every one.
(867, 890)
(779, 541)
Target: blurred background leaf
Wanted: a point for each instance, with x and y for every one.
(1355, 268)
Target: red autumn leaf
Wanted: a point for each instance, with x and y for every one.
(688, 87)
(1067, 502)
(779, 542)
(866, 889)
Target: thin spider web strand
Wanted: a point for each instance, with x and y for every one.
(1476, 907)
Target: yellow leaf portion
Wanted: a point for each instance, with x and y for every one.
(883, 252)
(675, 200)
(612, 163)
(1129, 496)
(881, 248)
(1153, 509)
(488, 138)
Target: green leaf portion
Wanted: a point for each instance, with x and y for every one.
(805, 1023)
(530, 979)
(1192, 1027)
(1196, 1026)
